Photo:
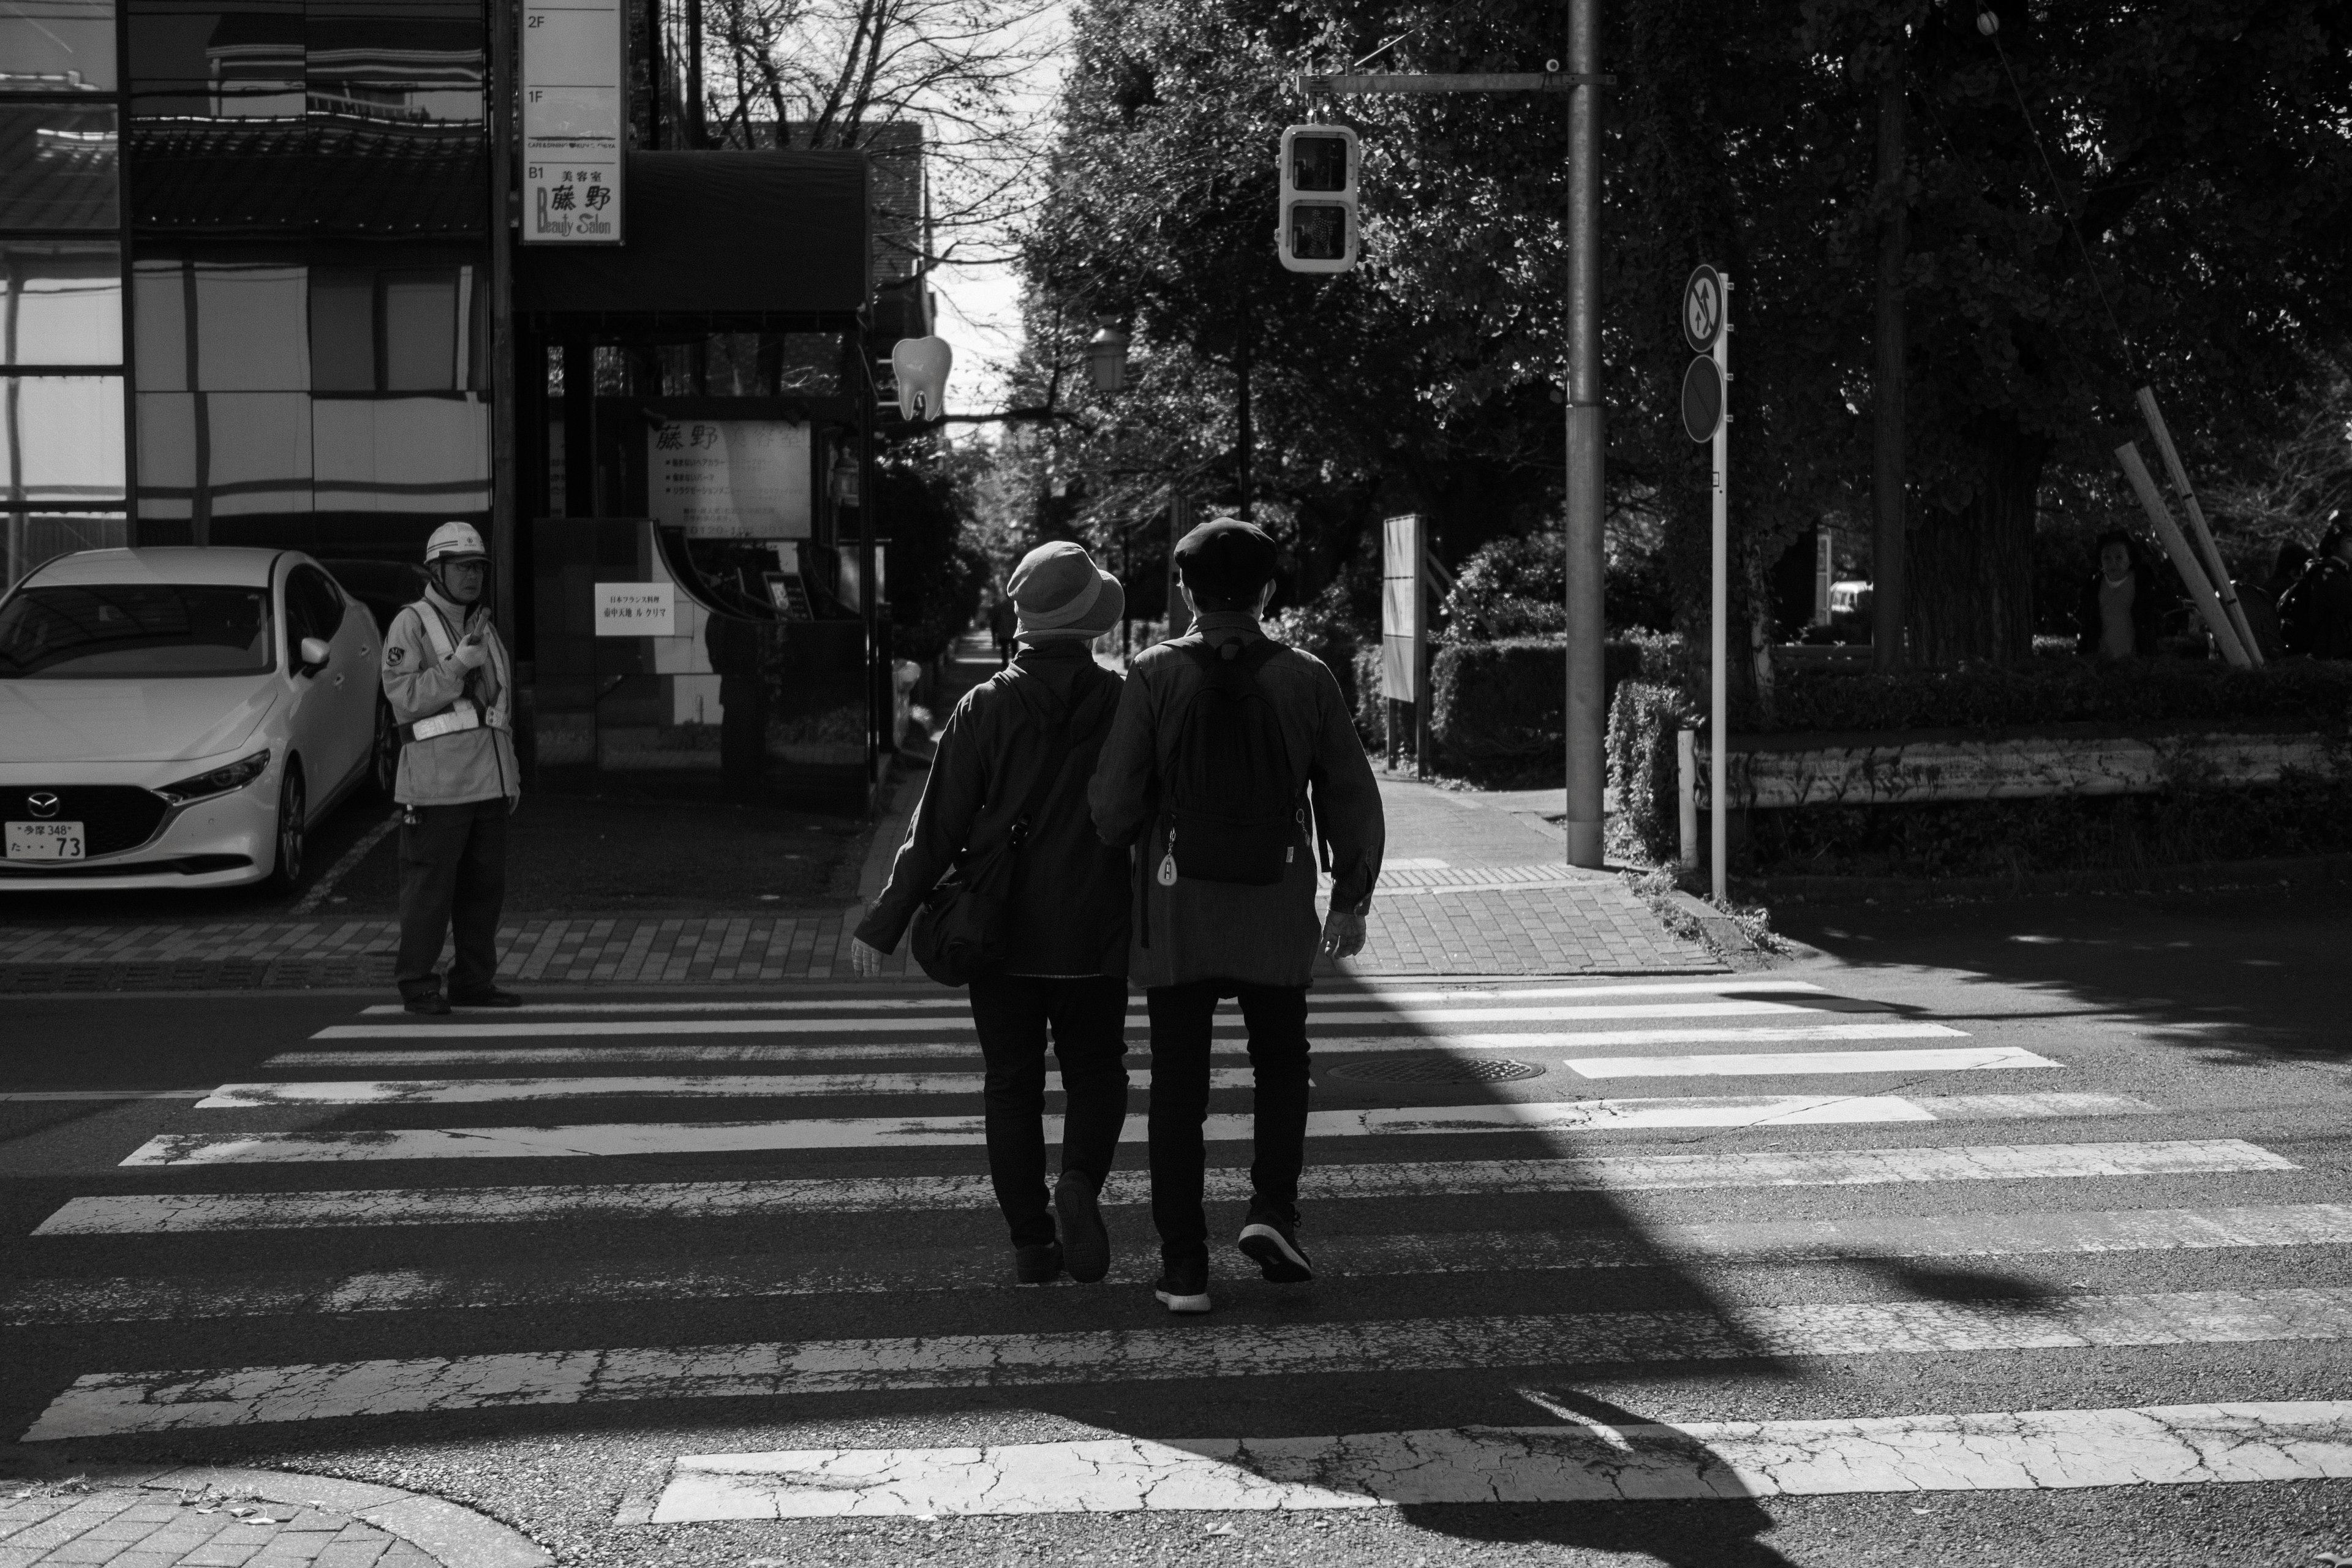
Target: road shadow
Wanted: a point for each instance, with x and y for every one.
(2240, 976)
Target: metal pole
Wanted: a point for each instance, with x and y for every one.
(503, 454)
(1888, 539)
(1718, 638)
(1587, 716)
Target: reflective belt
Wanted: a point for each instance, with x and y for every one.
(464, 712)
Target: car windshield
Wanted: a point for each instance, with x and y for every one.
(116, 631)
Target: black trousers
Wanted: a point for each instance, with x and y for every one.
(1088, 1017)
(453, 872)
(1181, 1016)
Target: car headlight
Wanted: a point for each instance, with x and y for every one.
(220, 781)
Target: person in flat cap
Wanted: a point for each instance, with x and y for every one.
(1006, 802)
(1232, 762)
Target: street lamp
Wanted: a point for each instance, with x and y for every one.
(1107, 355)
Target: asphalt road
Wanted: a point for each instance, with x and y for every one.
(2156, 1217)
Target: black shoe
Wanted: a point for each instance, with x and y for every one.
(1271, 1241)
(429, 1003)
(487, 996)
(1086, 1244)
(1038, 1265)
(1183, 1285)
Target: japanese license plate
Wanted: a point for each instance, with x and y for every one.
(45, 841)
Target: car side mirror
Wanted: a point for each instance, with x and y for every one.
(315, 654)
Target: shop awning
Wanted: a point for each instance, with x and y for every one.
(719, 234)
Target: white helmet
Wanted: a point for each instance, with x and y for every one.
(453, 541)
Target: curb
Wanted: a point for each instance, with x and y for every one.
(449, 1533)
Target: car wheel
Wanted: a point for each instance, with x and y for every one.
(293, 831)
(383, 766)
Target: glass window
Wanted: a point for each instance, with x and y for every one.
(61, 438)
(313, 609)
(160, 318)
(32, 538)
(425, 455)
(56, 45)
(60, 302)
(343, 329)
(223, 454)
(113, 631)
(250, 327)
(420, 330)
(58, 167)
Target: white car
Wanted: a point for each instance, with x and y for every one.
(179, 717)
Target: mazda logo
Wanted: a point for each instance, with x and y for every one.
(43, 803)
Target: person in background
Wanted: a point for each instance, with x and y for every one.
(2260, 601)
(1063, 961)
(1004, 625)
(2329, 584)
(2116, 616)
(450, 687)
(1224, 740)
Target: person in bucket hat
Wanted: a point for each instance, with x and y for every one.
(1007, 792)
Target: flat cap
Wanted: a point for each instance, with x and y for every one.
(1226, 558)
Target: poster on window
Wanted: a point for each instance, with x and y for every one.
(574, 121)
(731, 479)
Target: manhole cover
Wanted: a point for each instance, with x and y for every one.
(1437, 1069)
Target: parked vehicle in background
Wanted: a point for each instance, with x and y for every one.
(385, 587)
(179, 717)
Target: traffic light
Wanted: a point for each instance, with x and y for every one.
(1318, 231)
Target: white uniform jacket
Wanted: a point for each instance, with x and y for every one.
(463, 744)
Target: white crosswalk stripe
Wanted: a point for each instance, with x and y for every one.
(1552, 1177)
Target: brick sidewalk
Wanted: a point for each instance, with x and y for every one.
(172, 1518)
(1474, 888)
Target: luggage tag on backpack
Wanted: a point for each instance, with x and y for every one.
(1168, 862)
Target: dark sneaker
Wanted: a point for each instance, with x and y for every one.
(1037, 1265)
(429, 1003)
(487, 996)
(1271, 1241)
(1086, 1244)
(1183, 1287)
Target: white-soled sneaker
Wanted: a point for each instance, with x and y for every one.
(1183, 1287)
(1270, 1240)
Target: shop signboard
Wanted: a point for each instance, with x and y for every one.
(575, 121)
(731, 479)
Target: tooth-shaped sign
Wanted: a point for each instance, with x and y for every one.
(921, 365)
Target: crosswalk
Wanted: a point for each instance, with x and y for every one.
(1512, 1187)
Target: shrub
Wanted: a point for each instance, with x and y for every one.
(2296, 694)
(2298, 816)
(1517, 587)
(1643, 720)
(1508, 701)
(1372, 718)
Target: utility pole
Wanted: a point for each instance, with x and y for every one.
(504, 523)
(1588, 717)
(1888, 541)
(697, 133)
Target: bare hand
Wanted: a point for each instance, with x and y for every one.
(865, 959)
(1343, 934)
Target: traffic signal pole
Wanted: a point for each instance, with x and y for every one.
(1588, 716)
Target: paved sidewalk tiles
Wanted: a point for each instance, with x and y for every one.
(182, 1521)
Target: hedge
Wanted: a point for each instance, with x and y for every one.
(2296, 694)
(1643, 720)
(1506, 702)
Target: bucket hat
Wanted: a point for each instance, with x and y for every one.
(1061, 592)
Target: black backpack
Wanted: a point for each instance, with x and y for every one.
(1235, 815)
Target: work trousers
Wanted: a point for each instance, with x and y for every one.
(453, 872)
(1088, 1018)
(1181, 1018)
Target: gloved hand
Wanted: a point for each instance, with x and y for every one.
(473, 653)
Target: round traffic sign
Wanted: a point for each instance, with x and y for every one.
(1702, 399)
(1702, 309)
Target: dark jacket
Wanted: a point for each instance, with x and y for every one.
(1066, 903)
(2143, 613)
(1200, 931)
(2329, 614)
